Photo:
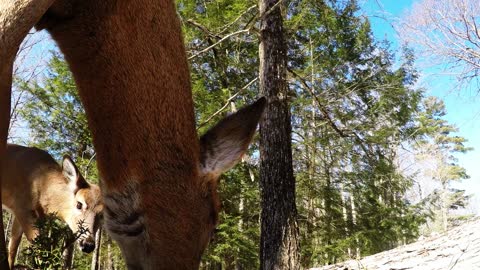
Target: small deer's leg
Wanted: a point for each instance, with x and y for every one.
(30, 232)
(15, 239)
(27, 221)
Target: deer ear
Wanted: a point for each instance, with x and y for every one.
(223, 145)
(71, 172)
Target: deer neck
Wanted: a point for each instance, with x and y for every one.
(133, 79)
(129, 63)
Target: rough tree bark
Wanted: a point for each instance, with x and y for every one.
(279, 243)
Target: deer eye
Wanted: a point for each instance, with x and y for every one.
(79, 205)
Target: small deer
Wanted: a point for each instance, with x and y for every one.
(34, 185)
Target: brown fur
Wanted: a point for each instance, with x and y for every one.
(34, 185)
(159, 185)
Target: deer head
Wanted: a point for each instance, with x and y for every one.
(182, 230)
(85, 207)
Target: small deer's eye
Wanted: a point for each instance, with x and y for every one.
(79, 205)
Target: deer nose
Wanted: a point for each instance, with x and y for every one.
(87, 247)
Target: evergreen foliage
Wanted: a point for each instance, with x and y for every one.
(438, 147)
(47, 248)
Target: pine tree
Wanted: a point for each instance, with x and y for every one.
(437, 148)
(352, 111)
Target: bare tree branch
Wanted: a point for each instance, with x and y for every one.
(227, 103)
(218, 42)
(203, 29)
(342, 132)
(225, 28)
(446, 33)
(29, 63)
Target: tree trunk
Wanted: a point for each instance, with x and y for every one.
(279, 240)
(354, 223)
(68, 257)
(110, 264)
(444, 206)
(8, 229)
(345, 215)
(328, 216)
(96, 252)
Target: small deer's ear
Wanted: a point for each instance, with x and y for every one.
(223, 145)
(71, 172)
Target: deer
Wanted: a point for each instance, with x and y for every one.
(34, 185)
(159, 179)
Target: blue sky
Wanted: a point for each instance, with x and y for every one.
(461, 104)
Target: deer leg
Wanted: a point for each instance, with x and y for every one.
(27, 219)
(15, 239)
(30, 231)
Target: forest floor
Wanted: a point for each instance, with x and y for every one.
(456, 249)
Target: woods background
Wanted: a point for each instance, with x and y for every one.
(373, 156)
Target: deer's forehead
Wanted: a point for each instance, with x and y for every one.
(91, 196)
